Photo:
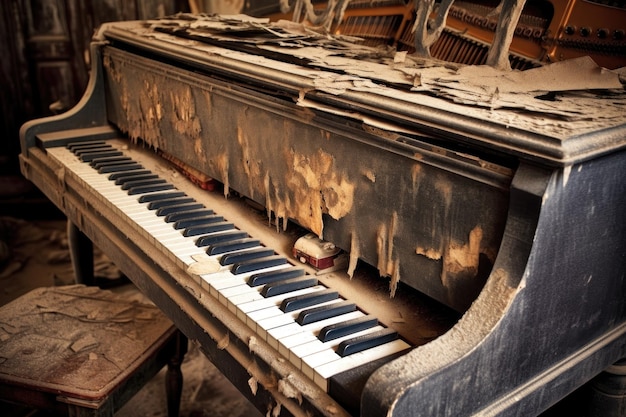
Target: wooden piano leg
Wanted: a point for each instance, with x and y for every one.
(174, 377)
(81, 253)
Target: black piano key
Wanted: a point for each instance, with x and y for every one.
(257, 264)
(84, 144)
(166, 202)
(140, 183)
(197, 221)
(116, 175)
(187, 214)
(119, 168)
(274, 276)
(90, 156)
(147, 198)
(312, 315)
(220, 237)
(283, 287)
(78, 151)
(164, 211)
(232, 245)
(113, 162)
(123, 179)
(150, 189)
(368, 341)
(299, 302)
(117, 156)
(337, 330)
(207, 228)
(241, 257)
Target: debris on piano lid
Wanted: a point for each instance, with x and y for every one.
(320, 254)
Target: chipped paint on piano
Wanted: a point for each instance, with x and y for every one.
(389, 208)
(501, 200)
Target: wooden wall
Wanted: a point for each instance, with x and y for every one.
(45, 56)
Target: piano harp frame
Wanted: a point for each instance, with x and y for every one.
(551, 316)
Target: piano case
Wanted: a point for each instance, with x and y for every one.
(502, 202)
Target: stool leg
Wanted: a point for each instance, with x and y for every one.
(81, 253)
(174, 377)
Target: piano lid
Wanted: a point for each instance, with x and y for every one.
(559, 114)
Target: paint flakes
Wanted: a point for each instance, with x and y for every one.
(222, 164)
(319, 187)
(369, 174)
(223, 342)
(253, 384)
(430, 253)
(355, 253)
(461, 261)
(204, 266)
(387, 264)
(289, 391)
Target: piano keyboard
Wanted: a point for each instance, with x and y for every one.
(310, 324)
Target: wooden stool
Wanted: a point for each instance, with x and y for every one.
(81, 351)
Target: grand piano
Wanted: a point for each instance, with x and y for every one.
(481, 213)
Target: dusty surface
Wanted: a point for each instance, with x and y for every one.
(38, 257)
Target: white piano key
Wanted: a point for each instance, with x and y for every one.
(254, 310)
(314, 328)
(299, 353)
(257, 315)
(275, 301)
(306, 334)
(323, 373)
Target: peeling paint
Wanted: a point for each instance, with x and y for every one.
(395, 278)
(461, 261)
(387, 265)
(381, 249)
(252, 343)
(369, 174)
(204, 266)
(354, 254)
(268, 197)
(331, 409)
(319, 187)
(289, 391)
(430, 253)
(250, 166)
(280, 202)
(275, 411)
(223, 342)
(183, 111)
(445, 188)
(221, 165)
(253, 384)
(416, 171)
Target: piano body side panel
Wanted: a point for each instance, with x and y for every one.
(88, 113)
(400, 208)
(543, 326)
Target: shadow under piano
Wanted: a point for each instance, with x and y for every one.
(481, 213)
